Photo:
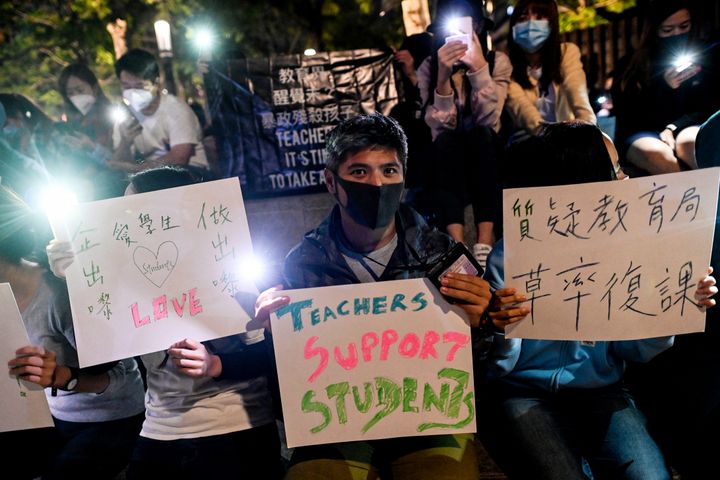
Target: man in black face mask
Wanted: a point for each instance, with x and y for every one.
(369, 236)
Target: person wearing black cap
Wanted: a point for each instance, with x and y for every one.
(665, 90)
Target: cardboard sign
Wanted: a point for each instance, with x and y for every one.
(24, 403)
(373, 360)
(151, 269)
(611, 260)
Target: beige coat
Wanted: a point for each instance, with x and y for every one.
(571, 96)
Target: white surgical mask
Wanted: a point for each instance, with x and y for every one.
(83, 102)
(138, 98)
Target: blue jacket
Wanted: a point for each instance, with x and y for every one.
(552, 365)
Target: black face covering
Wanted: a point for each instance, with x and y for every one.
(674, 45)
(370, 205)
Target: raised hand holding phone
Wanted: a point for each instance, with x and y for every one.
(682, 68)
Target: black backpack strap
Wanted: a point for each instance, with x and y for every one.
(490, 57)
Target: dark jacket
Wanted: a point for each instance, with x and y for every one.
(317, 261)
(652, 105)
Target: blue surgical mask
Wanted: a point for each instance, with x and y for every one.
(531, 35)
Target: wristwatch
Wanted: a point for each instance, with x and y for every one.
(73, 381)
(70, 385)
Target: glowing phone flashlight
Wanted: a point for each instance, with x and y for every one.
(459, 28)
(683, 62)
(58, 201)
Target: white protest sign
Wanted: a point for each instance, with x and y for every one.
(151, 269)
(611, 260)
(24, 404)
(373, 360)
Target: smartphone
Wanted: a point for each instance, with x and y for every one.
(459, 28)
(458, 260)
(683, 62)
(683, 67)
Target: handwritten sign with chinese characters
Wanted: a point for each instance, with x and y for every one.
(154, 268)
(611, 260)
(24, 405)
(375, 360)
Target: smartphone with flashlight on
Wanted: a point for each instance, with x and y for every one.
(459, 28)
(683, 62)
(457, 260)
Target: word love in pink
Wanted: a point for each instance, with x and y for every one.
(160, 308)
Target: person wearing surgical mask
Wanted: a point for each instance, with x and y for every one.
(87, 109)
(665, 90)
(89, 116)
(28, 138)
(548, 82)
(157, 129)
(17, 171)
(40, 148)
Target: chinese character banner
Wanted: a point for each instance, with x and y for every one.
(272, 116)
(611, 260)
(152, 269)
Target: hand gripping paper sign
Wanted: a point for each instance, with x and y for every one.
(151, 269)
(370, 361)
(24, 404)
(611, 260)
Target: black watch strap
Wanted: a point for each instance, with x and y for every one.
(53, 388)
(69, 386)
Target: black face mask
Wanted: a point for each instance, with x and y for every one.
(673, 46)
(370, 205)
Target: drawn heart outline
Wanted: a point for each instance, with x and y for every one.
(156, 267)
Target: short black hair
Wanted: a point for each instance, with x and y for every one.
(563, 153)
(580, 152)
(140, 63)
(374, 131)
(161, 178)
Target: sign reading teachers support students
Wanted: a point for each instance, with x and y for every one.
(153, 268)
(611, 260)
(371, 361)
(24, 405)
